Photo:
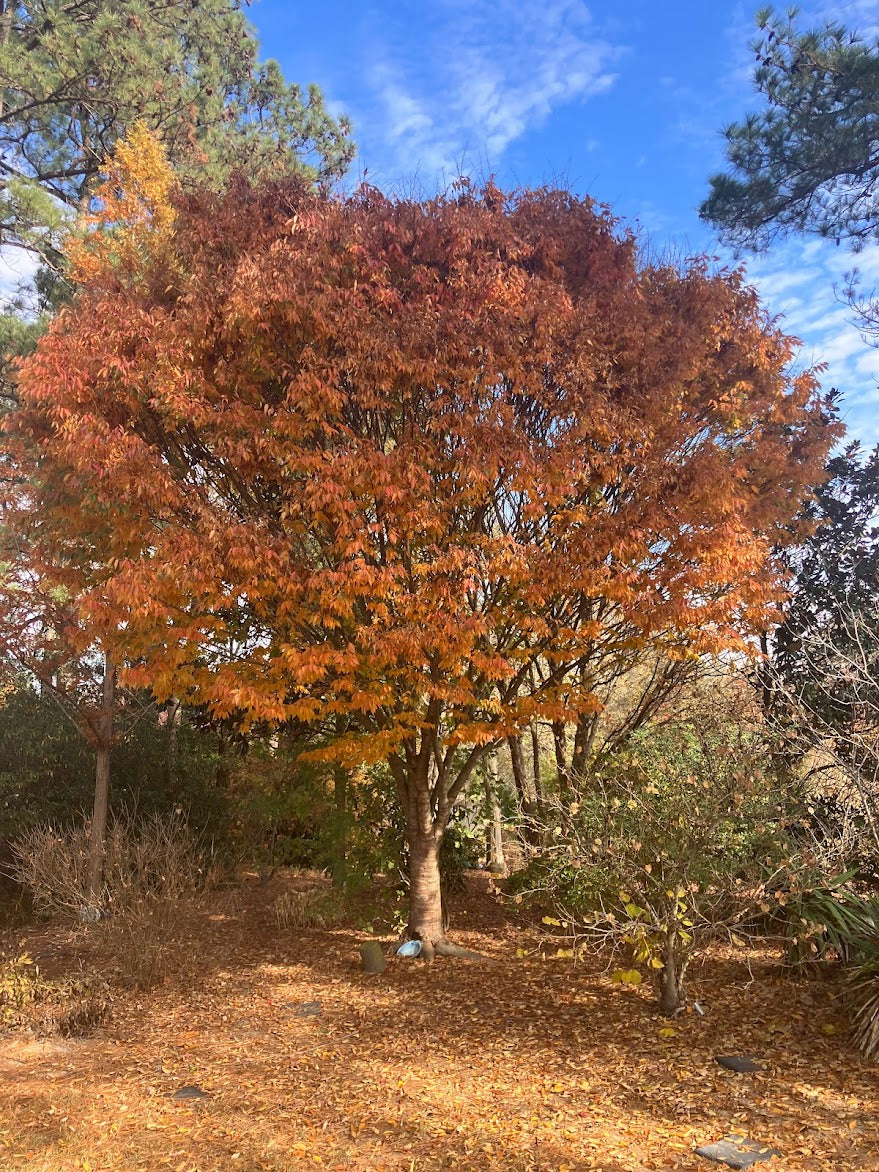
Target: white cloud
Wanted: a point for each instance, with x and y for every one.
(17, 269)
(487, 74)
(800, 280)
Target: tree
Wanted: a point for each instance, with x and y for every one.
(809, 161)
(308, 457)
(76, 74)
(820, 679)
(678, 841)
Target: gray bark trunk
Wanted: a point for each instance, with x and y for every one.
(102, 784)
(497, 864)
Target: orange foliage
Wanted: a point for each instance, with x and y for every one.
(375, 457)
(133, 214)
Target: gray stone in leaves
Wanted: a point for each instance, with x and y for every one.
(306, 1008)
(190, 1093)
(737, 1063)
(737, 1152)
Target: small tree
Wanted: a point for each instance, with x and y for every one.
(682, 838)
(379, 459)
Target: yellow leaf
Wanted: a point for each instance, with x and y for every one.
(668, 1032)
(553, 923)
(626, 977)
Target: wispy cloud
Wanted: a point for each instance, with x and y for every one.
(486, 75)
(17, 269)
(801, 281)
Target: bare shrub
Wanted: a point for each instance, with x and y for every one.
(157, 858)
(72, 1007)
(146, 944)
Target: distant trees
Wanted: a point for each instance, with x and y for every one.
(74, 77)
(809, 160)
(820, 682)
(300, 457)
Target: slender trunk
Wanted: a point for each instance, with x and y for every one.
(535, 764)
(102, 784)
(172, 744)
(340, 853)
(560, 745)
(524, 786)
(425, 891)
(671, 977)
(497, 864)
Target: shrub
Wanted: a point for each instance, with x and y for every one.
(157, 858)
(683, 837)
(308, 909)
(73, 1007)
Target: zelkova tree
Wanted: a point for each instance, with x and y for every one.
(308, 457)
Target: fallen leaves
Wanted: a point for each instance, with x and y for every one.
(508, 1064)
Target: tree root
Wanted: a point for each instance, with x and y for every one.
(447, 948)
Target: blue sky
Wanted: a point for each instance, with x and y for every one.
(623, 102)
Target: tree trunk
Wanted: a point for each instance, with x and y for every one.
(172, 745)
(583, 738)
(102, 784)
(671, 977)
(535, 764)
(425, 891)
(560, 745)
(340, 849)
(497, 864)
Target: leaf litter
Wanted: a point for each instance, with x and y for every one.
(508, 1062)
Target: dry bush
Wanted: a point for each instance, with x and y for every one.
(146, 944)
(72, 1007)
(157, 858)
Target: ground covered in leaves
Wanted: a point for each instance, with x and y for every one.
(509, 1062)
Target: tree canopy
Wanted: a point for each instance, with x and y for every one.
(809, 160)
(304, 457)
(76, 74)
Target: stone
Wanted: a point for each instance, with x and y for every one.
(307, 1008)
(737, 1152)
(372, 957)
(191, 1092)
(738, 1063)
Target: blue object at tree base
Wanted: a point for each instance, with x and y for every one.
(410, 948)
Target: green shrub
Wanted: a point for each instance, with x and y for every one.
(682, 838)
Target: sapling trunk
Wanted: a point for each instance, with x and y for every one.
(102, 784)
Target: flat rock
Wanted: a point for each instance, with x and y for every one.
(192, 1092)
(738, 1063)
(306, 1008)
(737, 1152)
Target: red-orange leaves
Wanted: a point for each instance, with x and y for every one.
(380, 458)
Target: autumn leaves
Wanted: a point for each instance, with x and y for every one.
(308, 458)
